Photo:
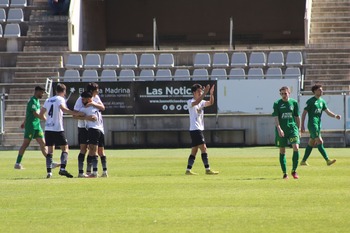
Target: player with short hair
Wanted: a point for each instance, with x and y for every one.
(196, 107)
(287, 129)
(32, 127)
(83, 132)
(314, 107)
(54, 107)
(94, 125)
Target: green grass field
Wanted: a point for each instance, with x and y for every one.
(147, 191)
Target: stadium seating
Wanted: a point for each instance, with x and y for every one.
(1, 31)
(92, 61)
(163, 75)
(2, 15)
(146, 75)
(294, 58)
(74, 61)
(15, 15)
(237, 73)
(275, 59)
(18, 3)
(71, 76)
(129, 61)
(257, 59)
(292, 72)
(239, 59)
(12, 30)
(274, 73)
(202, 60)
(127, 75)
(165, 60)
(147, 60)
(200, 74)
(108, 76)
(4, 3)
(89, 76)
(218, 74)
(111, 61)
(220, 60)
(255, 73)
(182, 75)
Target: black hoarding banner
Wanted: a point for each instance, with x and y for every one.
(167, 97)
(141, 97)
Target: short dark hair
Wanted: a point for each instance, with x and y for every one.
(315, 87)
(285, 88)
(195, 87)
(39, 88)
(92, 87)
(86, 94)
(60, 88)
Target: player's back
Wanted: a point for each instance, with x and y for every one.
(54, 119)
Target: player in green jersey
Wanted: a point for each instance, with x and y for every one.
(314, 107)
(287, 122)
(31, 125)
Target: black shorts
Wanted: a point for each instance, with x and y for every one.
(197, 137)
(54, 138)
(96, 137)
(82, 136)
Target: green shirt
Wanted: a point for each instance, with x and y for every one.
(314, 108)
(286, 111)
(32, 122)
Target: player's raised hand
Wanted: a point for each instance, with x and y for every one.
(206, 89)
(212, 89)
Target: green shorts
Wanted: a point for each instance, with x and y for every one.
(33, 133)
(314, 131)
(291, 137)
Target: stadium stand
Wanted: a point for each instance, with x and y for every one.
(4, 3)
(255, 73)
(92, 61)
(257, 59)
(200, 75)
(127, 75)
(89, 76)
(218, 74)
(275, 59)
(220, 60)
(202, 60)
(108, 76)
(163, 75)
(2, 15)
(182, 75)
(18, 3)
(165, 60)
(111, 61)
(71, 76)
(292, 72)
(239, 59)
(15, 15)
(74, 61)
(146, 75)
(147, 61)
(274, 73)
(294, 58)
(237, 73)
(129, 61)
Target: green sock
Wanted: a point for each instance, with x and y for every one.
(307, 153)
(322, 151)
(295, 160)
(283, 163)
(19, 159)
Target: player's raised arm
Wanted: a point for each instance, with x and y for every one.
(211, 98)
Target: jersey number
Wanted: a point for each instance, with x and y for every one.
(50, 113)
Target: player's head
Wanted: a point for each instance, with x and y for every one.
(39, 92)
(317, 89)
(284, 92)
(86, 97)
(61, 89)
(92, 88)
(197, 90)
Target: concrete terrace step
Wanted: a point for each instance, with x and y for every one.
(45, 48)
(40, 58)
(32, 74)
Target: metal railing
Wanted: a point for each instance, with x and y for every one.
(307, 21)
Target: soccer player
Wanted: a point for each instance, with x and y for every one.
(54, 131)
(32, 127)
(83, 132)
(196, 107)
(287, 122)
(314, 107)
(94, 124)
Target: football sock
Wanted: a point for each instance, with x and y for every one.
(190, 163)
(205, 160)
(295, 159)
(88, 164)
(48, 163)
(283, 163)
(64, 157)
(19, 159)
(322, 151)
(104, 162)
(81, 158)
(307, 153)
(94, 162)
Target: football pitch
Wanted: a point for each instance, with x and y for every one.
(147, 191)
